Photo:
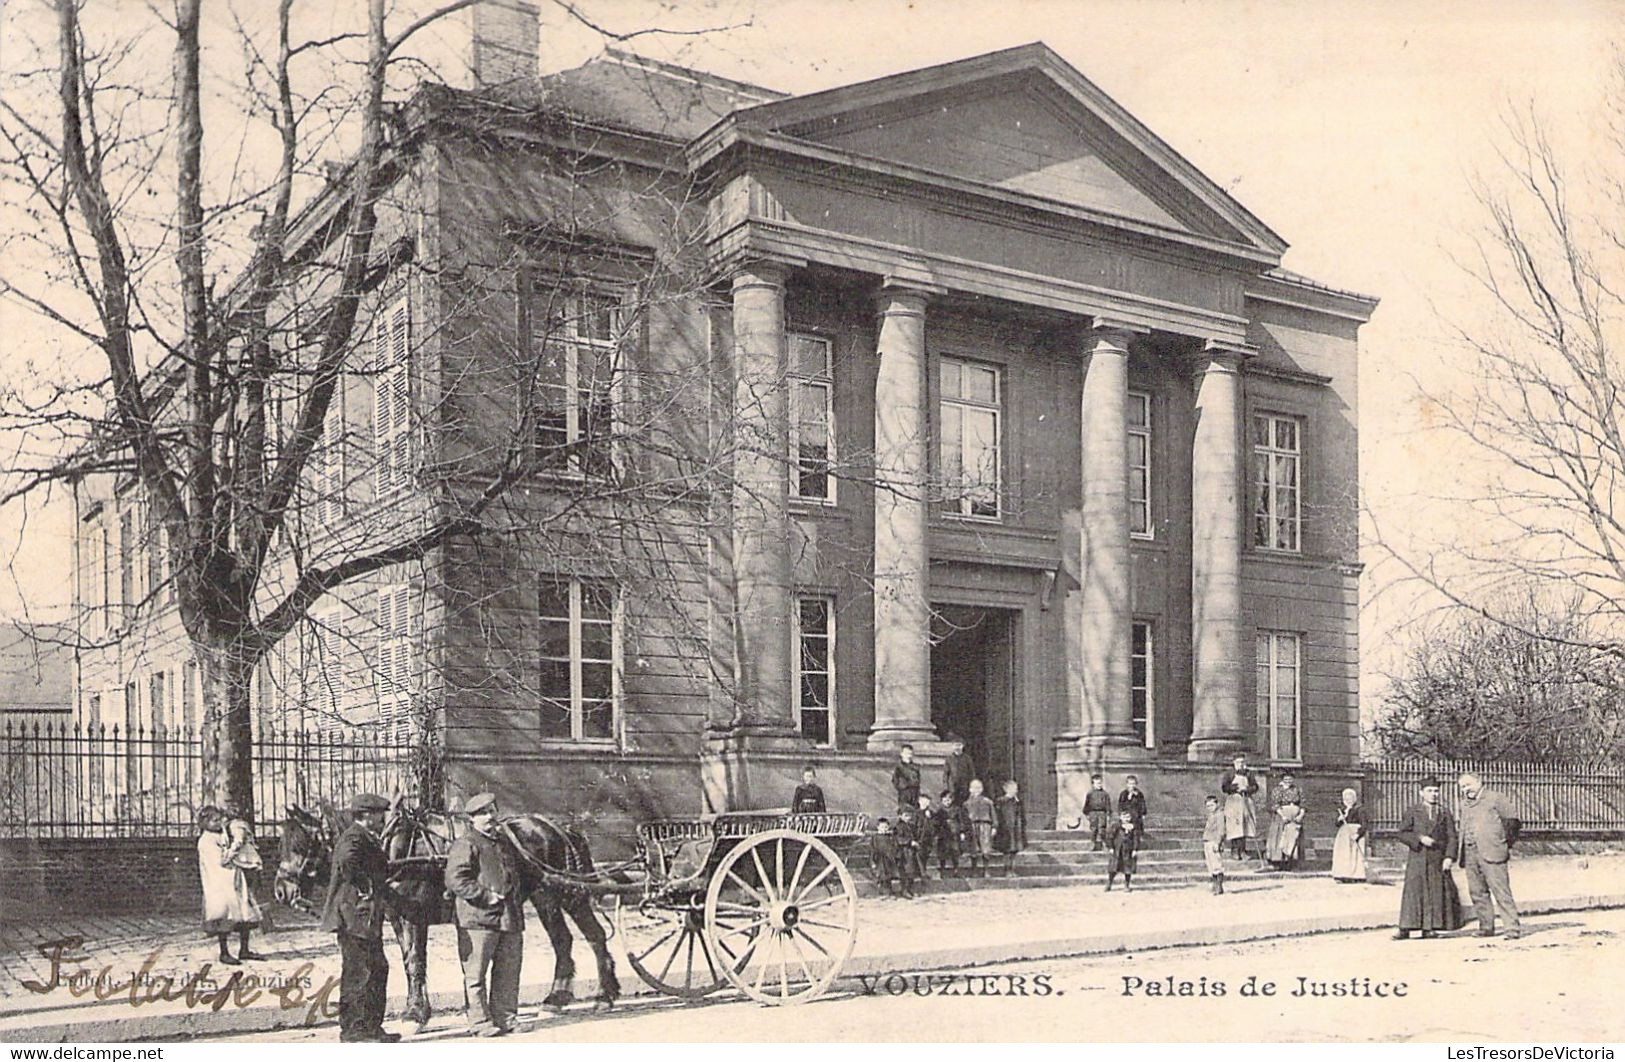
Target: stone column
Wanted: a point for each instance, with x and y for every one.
(761, 499)
(902, 464)
(1105, 566)
(1216, 527)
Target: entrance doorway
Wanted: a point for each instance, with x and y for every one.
(973, 689)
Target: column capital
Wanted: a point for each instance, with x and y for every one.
(1225, 355)
(761, 271)
(1116, 326)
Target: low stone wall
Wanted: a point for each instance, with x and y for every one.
(59, 878)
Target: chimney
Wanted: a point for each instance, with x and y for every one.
(506, 41)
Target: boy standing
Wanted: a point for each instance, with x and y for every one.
(1124, 843)
(809, 798)
(945, 828)
(883, 855)
(1097, 808)
(909, 868)
(905, 779)
(1011, 837)
(1132, 800)
(1213, 844)
(980, 814)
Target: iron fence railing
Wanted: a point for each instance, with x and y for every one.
(1551, 798)
(66, 780)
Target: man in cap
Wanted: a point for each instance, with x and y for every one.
(357, 895)
(482, 872)
(1489, 829)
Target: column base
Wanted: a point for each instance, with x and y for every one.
(893, 735)
(1217, 749)
(1078, 756)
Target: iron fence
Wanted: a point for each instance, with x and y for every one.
(1551, 798)
(67, 780)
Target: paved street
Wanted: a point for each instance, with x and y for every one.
(1558, 984)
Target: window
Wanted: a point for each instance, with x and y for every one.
(576, 336)
(815, 669)
(1278, 695)
(158, 748)
(189, 698)
(105, 582)
(970, 410)
(397, 637)
(392, 399)
(812, 417)
(329, 644)
(1141, 661)
(1139, 464)
(126, 560)
(150, 538)
(92, 565)
(328, 459)
(132, 728)
(578, 681)
(1277, 454)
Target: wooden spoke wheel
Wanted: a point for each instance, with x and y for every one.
(667, 946)
(781, 916)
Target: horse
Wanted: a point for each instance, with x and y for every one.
(306, 849)
(555, 867)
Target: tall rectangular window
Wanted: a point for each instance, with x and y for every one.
(158, 745)
(189, 698)
(328, 699)
(578, 685)
(328, 460)
(1141, 663)
(815, 669)
(392, 398)
(1139, 464)
(93, 578)
(1277, 467)
(151, 540)
(104, 536)
(969, 423)
(132, 729)
(812, 417)
(1280, 695)
(576, 336)
(395, 666)
(126, 562)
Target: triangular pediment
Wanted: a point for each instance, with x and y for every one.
(1021, 121)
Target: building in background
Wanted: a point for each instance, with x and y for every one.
(949, 404)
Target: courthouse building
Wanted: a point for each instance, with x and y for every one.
(1048, 452)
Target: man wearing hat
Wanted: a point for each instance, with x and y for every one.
(1430, 902)
(357, 895)
(482, 872)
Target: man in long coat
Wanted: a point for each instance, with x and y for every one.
(1430, 902)
(482, 872)
(357, 895)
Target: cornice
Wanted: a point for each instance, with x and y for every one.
(755, 237)
(1314, 298)
(1277, 372)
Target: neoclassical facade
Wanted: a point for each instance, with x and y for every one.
(1036, 445)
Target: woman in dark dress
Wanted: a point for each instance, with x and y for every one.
(1010, 826)
(1430, 902)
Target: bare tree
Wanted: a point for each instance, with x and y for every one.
(230, 323)
(1543, 348)
(1522, 686)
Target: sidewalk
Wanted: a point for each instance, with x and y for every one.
(934, 932)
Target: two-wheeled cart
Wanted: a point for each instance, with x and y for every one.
(759, 900)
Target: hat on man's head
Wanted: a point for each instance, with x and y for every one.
(479, 802)
(1430, 782)
(368, 802)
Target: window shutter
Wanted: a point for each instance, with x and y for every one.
(392, 397)
(396, 631)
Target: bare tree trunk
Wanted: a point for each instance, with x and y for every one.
(226, 668)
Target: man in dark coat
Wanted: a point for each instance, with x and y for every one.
(905, 779)
(957, 771)
(357, 895)
(1430, 902)
(482, 872)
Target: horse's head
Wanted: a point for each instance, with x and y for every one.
(307, 849)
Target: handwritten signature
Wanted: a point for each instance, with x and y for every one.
(197, 989)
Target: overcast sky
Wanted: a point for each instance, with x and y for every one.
(1351, 128)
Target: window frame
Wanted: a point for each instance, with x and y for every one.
(1149, 737)
(956, 501)
(622, 327)
(825, 381)
(828, 601)
(393, 422)
(395, 659)
(1265, 486)
(576, 586)
(1145, 432)
(330, 673)
(1268, 696)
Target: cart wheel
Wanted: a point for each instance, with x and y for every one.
(781, 916)
(667, 946)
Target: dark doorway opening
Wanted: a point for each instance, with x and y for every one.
(973, 670)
